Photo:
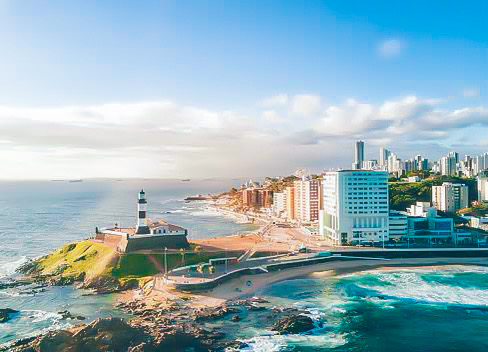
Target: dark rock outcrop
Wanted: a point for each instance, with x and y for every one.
(67, 315)
(294, 324)
(29, 267)
(213, 312)
(110, 334)
(6, 314)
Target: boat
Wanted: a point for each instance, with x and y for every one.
(197, 197)
(72, 181)
(186, 180)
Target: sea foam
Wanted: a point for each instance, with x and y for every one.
(7, 269)
(409, 285)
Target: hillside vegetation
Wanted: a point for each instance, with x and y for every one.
(403, 195)
(94, 265)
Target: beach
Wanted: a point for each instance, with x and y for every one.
(248, 285)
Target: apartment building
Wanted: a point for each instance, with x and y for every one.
(355, 207)
(307, 200)
(483, 187)
(257, 197)
(450, 197)
(290, 203)
(279, 204)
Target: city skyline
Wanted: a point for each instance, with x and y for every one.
(156, 90)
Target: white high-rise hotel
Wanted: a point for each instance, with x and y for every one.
(355, 207)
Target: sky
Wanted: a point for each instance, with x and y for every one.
(198, 89)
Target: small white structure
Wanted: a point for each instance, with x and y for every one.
(414, 179)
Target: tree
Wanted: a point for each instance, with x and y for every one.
(200, 268)
(211, 269)
(198, 249)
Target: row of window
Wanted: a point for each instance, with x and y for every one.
(367, 212)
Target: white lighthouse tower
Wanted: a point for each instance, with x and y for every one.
(142, 228)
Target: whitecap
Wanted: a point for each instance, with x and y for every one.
(276, 343)
(7, 269)
(409, 285)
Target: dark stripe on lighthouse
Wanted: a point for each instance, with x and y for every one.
(142, 215)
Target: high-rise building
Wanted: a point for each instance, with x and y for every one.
(279, 203)
(448, 164)
(384, 154)
(355, 207)
(257, 197)
(450, 197)
(454, 155)
(483, 186)
(290, 203)
(358, 155)
(307, 199)
(395, 165)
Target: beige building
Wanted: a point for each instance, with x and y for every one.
(450, 197)
(307, 200)
(290, 203)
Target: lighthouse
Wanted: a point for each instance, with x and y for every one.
(142, 228)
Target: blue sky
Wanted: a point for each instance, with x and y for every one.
(228, 57)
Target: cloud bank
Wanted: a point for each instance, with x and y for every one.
(167, 139)
(391, 48)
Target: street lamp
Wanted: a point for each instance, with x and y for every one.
(226, 260)
(165, 262)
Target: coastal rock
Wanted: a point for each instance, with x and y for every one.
(294, 324)
(143, 347)
(180, 341)
(14, 283)
(67, 315)
(6, 314)
(236, 318)
(61, 281)
(214, 312)
(110, 334)
(28, 268)
(257, 300)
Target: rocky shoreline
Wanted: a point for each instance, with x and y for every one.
(167, 326)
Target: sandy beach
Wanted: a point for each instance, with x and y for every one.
(249, 285)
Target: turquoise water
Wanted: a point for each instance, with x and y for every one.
(38, 217)
(403, 310)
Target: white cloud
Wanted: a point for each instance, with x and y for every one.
(167, 139)
(272, 116)
(409, 118)
(275, 101)
(305, 104)
(391, 48)
(471, 92)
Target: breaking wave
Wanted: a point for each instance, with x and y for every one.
(434, 287)
(7, 269)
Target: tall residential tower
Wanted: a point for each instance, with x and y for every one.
(358, 155)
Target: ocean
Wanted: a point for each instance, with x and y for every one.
(39, 217)
(421, 309)
(404, 310)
